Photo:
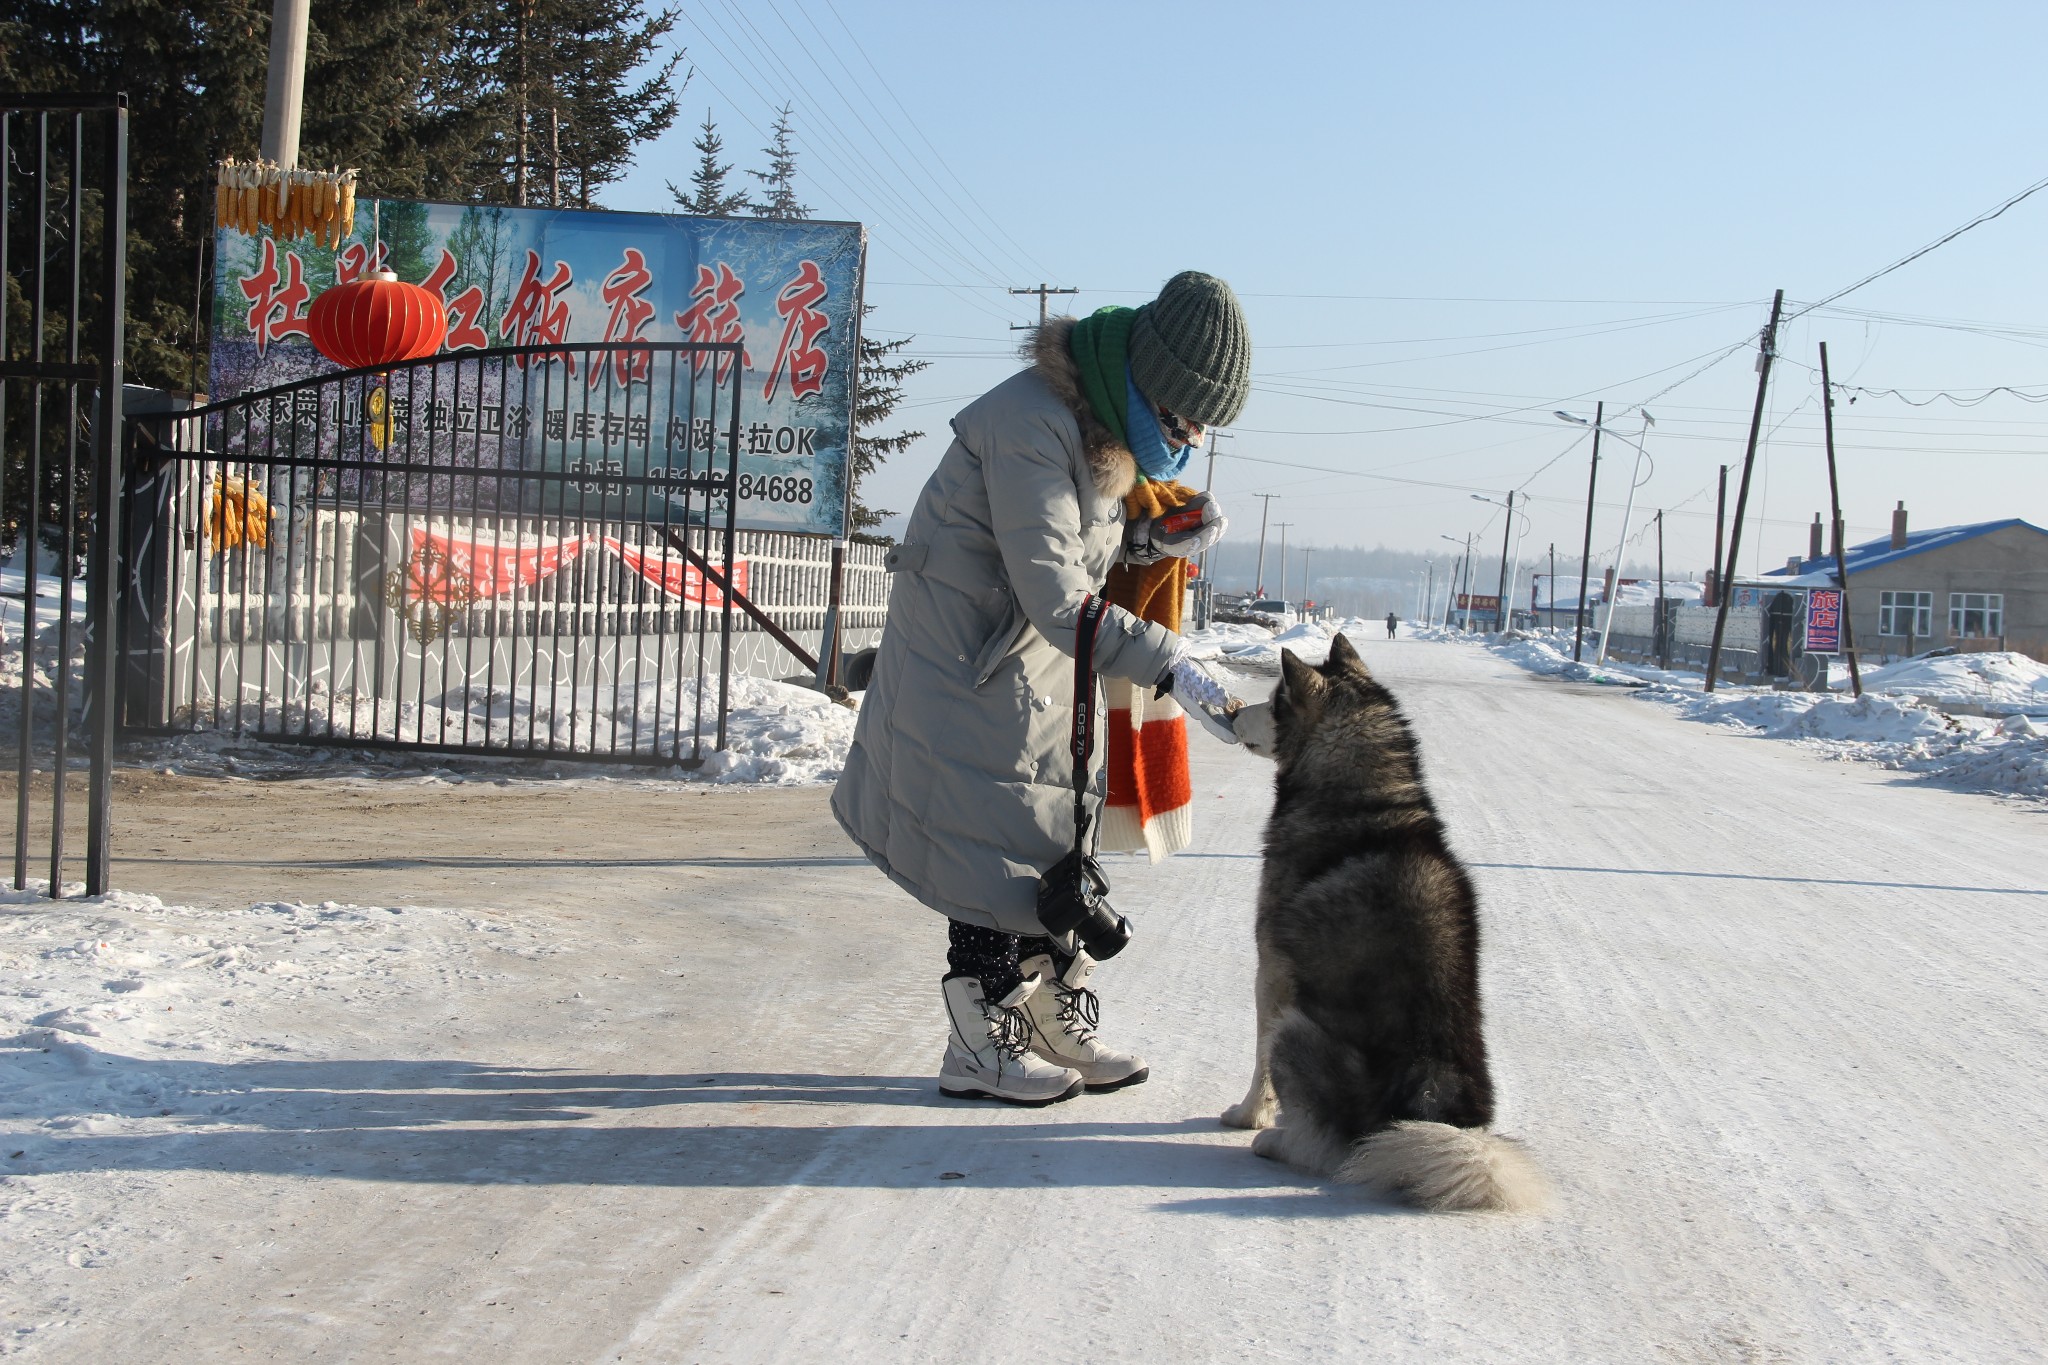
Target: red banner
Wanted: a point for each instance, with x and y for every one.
(476, 569)
(676, 576)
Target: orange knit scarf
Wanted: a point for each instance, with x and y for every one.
(1151, 802)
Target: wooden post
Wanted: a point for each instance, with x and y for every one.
(1586, 548)
(1500, 611)
(1756, 425)
(1827, 409)
(1661, 636)
(1720, 527)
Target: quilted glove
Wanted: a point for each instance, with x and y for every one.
(1202, 697)
(1180, 533)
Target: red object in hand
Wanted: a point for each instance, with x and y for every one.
(377, 320)
(1183, 519)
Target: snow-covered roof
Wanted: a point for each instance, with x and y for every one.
(1820, 573)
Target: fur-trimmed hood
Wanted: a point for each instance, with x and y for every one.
(1048, 350)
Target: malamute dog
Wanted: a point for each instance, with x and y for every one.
(1368, 981)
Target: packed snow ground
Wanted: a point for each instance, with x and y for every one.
(1787, 1075)
(1976, 722)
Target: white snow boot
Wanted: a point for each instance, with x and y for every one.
(989, 1055)
(1062, 1014)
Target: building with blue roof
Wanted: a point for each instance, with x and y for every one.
(1975, 587)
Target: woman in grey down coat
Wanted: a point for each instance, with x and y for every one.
(959, 781)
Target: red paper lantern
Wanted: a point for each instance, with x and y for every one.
(377, 320)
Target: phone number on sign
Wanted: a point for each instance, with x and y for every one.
(778, 488)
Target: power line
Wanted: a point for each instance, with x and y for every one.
(1940, 241)
(1037, 268)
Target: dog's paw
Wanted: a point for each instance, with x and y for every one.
(1270, 1144)
(1243, 1115)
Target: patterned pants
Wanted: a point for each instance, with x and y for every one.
(991, 957)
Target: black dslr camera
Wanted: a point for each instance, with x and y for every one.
(1073, 895)
(1073, 898)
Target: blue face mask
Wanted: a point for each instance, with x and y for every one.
(1157, 460)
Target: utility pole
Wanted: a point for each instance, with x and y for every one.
(1428, 591)
(1720, 525)
(1586, 549)
(1756, 425)
(1500, 611)
(285, 87)
(1259, 578)
(1551, 621)
(1208, 486)
(1283, 525)
(1827, 408)
(1470, 569)
(1043, 291)
(1663, 650)
(1304, 572)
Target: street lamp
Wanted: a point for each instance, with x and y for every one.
(1636, 480)
(1451, 597)
(1504, 617)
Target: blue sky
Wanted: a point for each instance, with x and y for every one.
(1447, 221)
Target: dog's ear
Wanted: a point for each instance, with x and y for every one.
(1343, 655)
(1300, 685)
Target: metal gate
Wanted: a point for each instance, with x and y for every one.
(63, 230)
(526, 551)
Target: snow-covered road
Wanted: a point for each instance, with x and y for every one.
(1775, 1026)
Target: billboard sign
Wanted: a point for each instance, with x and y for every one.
(1476, 602)
(1824, 621)
(788, 292)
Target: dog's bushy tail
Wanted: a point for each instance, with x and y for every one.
(1447, 1169)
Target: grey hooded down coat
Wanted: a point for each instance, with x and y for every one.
(959, 781)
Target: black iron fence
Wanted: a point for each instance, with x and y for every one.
(63, 228)
(524, 552)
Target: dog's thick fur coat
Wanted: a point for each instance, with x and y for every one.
(1370, 1039)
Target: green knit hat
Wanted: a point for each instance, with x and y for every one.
(1191, 350)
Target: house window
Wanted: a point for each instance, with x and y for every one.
(1976, 615)
(1905, 613)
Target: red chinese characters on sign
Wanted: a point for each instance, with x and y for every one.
(714, 316)
(463, 308)
(803, 322)
(627, 320)
(537, 316)
(354, 261)
(1824, 621)
(277, 301)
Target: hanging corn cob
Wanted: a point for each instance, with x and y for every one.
(252, 195)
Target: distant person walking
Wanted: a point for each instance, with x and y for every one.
(1393, 623)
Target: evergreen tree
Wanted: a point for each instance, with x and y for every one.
(467, 100)
(553, 76)
(778, 182)
(708, 196)
(882, 373)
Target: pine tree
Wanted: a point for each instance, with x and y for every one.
(552, 74)
(880, 393)
(708, 196)
(459, 100)
(778, 182)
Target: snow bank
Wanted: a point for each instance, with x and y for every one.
(1258, 647)
(116, 1008)
(777, 734)
(1997, 683)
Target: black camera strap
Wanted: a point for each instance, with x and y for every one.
(1092, 609)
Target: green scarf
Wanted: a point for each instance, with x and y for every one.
(1101, 347)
